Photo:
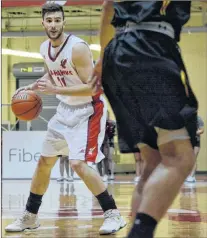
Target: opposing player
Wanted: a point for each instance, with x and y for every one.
(146, 82)
(79, 123)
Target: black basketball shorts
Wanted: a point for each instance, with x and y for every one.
(146, 83)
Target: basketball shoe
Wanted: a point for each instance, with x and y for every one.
(113, 222)
(26, 221)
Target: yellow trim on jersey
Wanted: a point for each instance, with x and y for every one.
(163, 9)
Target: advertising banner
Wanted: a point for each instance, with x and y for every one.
(21, 152)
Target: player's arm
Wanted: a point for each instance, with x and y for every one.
(34, 86)
(107, 31)
(82, 60)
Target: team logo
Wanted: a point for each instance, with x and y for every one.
(63, 63)
(91, 150)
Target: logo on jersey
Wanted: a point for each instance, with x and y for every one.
(63, 63)
(60, 72)
(91, 150)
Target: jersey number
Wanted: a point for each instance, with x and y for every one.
(163, 9)
(61, 81)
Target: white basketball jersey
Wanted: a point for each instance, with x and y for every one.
(61, 68)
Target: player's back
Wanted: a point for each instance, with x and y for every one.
(177, 13)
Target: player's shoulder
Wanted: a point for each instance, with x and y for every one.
(77, 42)
(76, 38)
(80, 49)
(44, 45)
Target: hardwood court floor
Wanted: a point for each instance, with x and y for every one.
(69, 210)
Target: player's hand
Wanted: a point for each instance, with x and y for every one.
(19, 90)
(45, 86)
(28, 87)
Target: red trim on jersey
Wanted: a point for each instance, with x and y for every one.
(49, 49)
(8, 3)
(94, 128)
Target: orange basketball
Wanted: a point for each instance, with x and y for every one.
(26, 105)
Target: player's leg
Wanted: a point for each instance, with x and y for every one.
(99, 165)
(167, 178)
(61, 166)
(191, 177)
(51, 148)
(111, 161)
(105, 162)
(90, 134)
(151, 159)
(138, 165)
(113, 221)
(40, 182)
(68, 169)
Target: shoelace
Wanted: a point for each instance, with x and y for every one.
(110, 215)
(24, 217)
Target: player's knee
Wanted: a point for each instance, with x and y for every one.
(140, 185)
(76, 165)
(137, 157)
(178, 155)
(46, 162)
(188, 163)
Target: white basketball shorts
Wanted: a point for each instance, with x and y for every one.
(77, 131)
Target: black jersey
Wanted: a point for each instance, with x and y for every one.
(177, 13)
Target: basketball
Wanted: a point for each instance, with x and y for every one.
(26, 105)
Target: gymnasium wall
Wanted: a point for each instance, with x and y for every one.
(194, 49)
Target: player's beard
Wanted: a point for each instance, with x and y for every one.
(56, 37)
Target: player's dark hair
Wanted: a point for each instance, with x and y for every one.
(51, 7)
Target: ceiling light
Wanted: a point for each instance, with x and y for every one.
(21, 53)
(35, 55)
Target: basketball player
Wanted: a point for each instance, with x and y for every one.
(147, 85)
(78, 124)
